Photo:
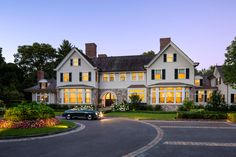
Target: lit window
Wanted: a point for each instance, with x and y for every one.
(161, 97)
(200, 95)
(209, 94)
(137, 76)
(153, 91)
(88, 96)
(79, 96)
(66, 77)
(178, 97)
(122, 76)
(170, 97)
(181, 74)
(140, 92)
(157, 74)
(75, 62)
(140, 76)
(170, 58)
(133, 75)
(112, 77)
(43, 85)
(197, 82)
(105, 77)
(42, 97)
(85, 76)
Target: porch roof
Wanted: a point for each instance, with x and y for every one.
(137, 86)
(75, 86)
(171, 84)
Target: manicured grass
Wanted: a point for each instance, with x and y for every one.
(144, 115)
(58, 113)
(16, 133)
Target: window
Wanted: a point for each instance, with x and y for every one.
(75, 96)
(85, 76)
(43, 85)
(153, 91)
(106, 77)
(87, 96)
(181, 74)
(112, 77)
(137, 76)
(66, 77)
(200, 95)
(170, 57)
(75, 61)
(122, 76)
(178, 96)
(161, 97)
(209, 94)
(140, 92)
(197, 82)
(157, 74)
(43, 97)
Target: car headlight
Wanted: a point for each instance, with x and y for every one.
(96, 113)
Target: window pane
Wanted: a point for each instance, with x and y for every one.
(178, 97)
(75, 62)
(140, 92)
(72, 97)
(88, 96)
(105, 77)
(197, 82)
(133, 76)
(66, 77)
(169, 97)
(112, 77)
(181, 74)
(157, 74)
(140, 76)
(170, 57)
(66, 97)
(79, 97)
(85, 76)
(200, 95)
(122, 76)
(161, 97)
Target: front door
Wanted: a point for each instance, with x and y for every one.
(109, 99)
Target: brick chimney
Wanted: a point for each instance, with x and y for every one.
(40, 75)
(164, 42)
(91, 50)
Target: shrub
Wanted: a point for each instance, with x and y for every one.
(120, 107)
(216, 102)
(232, 108)
(135, 101)
(187, 105)
(231, 117)
(147, 107)
(29, 111)
(39, 123)
(201, 115)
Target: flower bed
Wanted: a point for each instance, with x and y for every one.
(39, 123)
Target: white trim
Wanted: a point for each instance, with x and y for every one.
(164, 49)
(68, 57)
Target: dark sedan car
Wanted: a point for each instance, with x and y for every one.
(87, 114)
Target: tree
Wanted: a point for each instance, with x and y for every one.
(229, 67)
(216, 102)
(31, 58)
(149, 53)
(204, 71)
(2, 59)
(63, 50)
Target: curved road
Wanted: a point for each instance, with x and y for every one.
(108, 137)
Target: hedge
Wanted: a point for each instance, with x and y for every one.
(201, 115)
(231, 117)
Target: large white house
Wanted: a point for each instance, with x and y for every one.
(167, 79)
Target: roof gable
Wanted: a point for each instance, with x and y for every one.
(75, 50)
(159, 54)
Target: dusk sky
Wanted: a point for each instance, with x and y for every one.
(201, 28)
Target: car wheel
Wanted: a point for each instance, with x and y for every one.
(89, 117)
(68, 117)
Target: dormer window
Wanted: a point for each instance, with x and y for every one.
(75, 62)
(43, 84)
(170, 57)
(198, 82)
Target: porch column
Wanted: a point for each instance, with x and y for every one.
(157, 95)
(83, 96)
(174, 95)
(183, 94)
(62, 96)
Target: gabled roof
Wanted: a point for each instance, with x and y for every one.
(122, 63)
(175, 47)
(75, 50)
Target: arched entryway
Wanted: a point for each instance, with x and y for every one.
(108, 98)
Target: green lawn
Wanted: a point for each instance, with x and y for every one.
(142, 115)
(11, 133)
(58, 113)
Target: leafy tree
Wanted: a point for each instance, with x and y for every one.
(149, 53)
(216, 102)
(63, 50)
(204, 71)
(31, 58)
(2, 59)
(229, 67)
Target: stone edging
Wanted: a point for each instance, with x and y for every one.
(151, 144)
(79, 127)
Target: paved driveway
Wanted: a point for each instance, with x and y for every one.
(194, 139)
(109, 137)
